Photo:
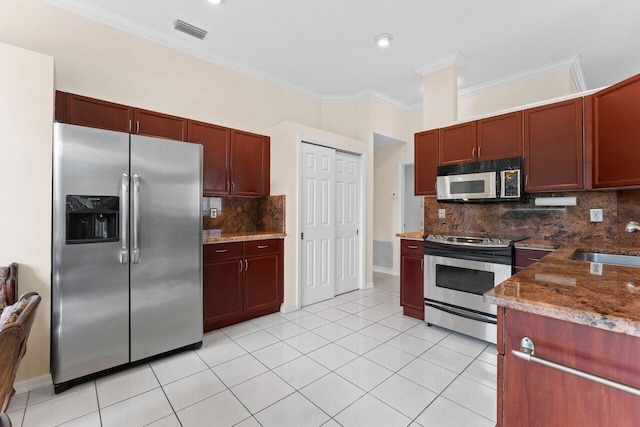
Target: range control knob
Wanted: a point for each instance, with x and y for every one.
(500, 241)
(489, 241)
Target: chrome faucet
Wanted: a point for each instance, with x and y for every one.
(632, 227)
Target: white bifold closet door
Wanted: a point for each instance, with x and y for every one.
(347, 217)
(330, 214)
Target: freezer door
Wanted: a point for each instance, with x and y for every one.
(90, 278)
(166, 245)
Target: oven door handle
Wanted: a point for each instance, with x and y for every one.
(460, 312)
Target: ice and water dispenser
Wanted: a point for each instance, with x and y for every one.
(92, 219)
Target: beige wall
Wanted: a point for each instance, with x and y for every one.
(440, 97)
(553, 85)
(285, 155)
(100, 61)
(26, 117)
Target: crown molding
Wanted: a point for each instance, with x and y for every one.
(572, 63)
(456, 59)
(368, 94)
(578, 76)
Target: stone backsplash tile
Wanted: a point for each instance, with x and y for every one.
(527, 219)
(244, 214)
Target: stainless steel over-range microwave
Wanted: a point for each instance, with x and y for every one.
(486, 181)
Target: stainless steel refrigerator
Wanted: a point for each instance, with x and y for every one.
(126, 250)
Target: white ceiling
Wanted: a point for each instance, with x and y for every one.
(326, 49)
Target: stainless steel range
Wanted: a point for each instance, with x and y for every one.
(457, 271)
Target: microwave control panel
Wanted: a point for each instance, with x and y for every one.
(510, 183)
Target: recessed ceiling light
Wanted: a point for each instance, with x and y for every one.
(215, 1)
(384, 39)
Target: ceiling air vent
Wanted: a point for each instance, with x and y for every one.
(187, 28)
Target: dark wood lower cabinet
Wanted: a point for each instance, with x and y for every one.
(241, 281)
(412, 278)
(532, 394)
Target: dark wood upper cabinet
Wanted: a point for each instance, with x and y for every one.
(426, 162)
(150, 123)
(83, 111)
(500, 137)
(250, 158)
(457, 144)
(553, 147)
(613, 136)
(216, 143)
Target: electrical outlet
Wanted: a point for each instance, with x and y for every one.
(213, 213)
(596, 215)
(442, 213)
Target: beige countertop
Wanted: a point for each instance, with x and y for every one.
(216, 236)
(565, 289)
(414, 235)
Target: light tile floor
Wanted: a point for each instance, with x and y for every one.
(351, 361)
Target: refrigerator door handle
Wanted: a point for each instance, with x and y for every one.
(136, 218)
(124, 222)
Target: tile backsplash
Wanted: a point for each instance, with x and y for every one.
(244, 214)
(571, 222)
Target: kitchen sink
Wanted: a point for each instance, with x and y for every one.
(633, 261)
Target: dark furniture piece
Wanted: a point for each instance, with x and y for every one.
(13, 337)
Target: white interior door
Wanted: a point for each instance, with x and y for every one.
(347, 222)
(317, 223)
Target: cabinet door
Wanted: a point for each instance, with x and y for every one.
(216, 144)
(150, 123)
(500, 137)
(412, 285)
(553, 148)
(426, 162)
(250, 156)
(83, 111)
(222, 290)
(261, 282)
(614, 136)
(458, 144)
(538, 395)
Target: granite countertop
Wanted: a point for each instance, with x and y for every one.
(216, 236)
(415, 235)
(562, 288)
(538, 243)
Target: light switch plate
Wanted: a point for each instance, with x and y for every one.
(442, 213)
(596, 215)
(213, 213)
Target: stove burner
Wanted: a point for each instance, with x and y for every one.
(470, 241)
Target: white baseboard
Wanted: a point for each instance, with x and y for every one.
(33, 383)
(288, 308)
(386, 271)
(368, 285)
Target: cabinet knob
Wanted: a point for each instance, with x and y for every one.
(479, 152)
(137, 126)
(473, 153)
(263, 246)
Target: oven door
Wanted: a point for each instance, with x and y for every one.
(461, 282)
(453, 291)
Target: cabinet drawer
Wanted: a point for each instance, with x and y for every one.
(526, 257)
(220, 251)
(261, 247)
(411, 247)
